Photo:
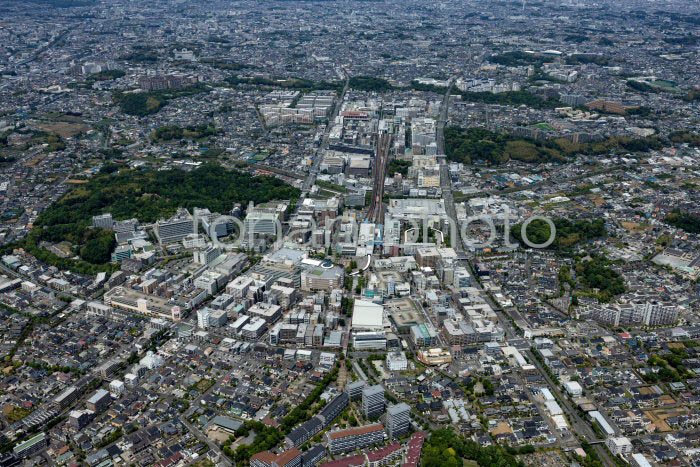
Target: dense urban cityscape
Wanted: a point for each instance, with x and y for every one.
(349, 233)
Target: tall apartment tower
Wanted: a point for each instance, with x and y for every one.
(373, 401)
(354, 389)
(398, 420)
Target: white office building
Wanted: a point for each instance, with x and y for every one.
(369, 340)
(617, 446)
(396, 361)
(116, 388)
(203, 315)
(176, 228)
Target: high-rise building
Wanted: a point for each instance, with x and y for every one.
(103, 221)
(424, 335)
(99, 401)
(637, 313)
(66, 397)
(203, 315)
(218, 318)
(206, 255)
(255, 328)
(574, 100)
(261, 223)
(116, 388)
(398, 420)
(373, 401)
(79, 419)
(121, 252)
(354, 389)
(176, 228)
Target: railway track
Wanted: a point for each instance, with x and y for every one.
(376, 208)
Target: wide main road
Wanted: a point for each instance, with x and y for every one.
(311, 178)
(580, 426)
(442, 118)
(445, 179)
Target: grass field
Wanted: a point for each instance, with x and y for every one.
(635, 227)
(14, 414)
(658, 417)
(542, 126)
(64, 129)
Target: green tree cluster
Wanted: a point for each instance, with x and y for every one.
(147, 103)
(672, 367)
(640, 86)
(692, 95)
(686, 221)
(685, 137)
(301, 413)
(591, 460)
(471, 144)
(141, 54)
(577, 59)
(518, 58)
(398, 166)
(514, 98)
(568, 232)
(289, 83)
(267, 437)
(55, 143)
(110, 438)
(106, 75)
(371, 83)
(576, 38)
(147, 195)
(225, 65)
(139, 103)
(64, 3)
(596, 273)
(479, 144)
(98, 246)
(193, 132)
(444, 448)
(331, 186)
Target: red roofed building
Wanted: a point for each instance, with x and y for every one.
(385, 455)
(355, 438)
(354, 461)
(414, 449)
(288, 458)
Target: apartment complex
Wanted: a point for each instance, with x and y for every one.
(373, 401)
(355, 438)
(398, 420)
(289, 458)
(354, 389)
(637, 313)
